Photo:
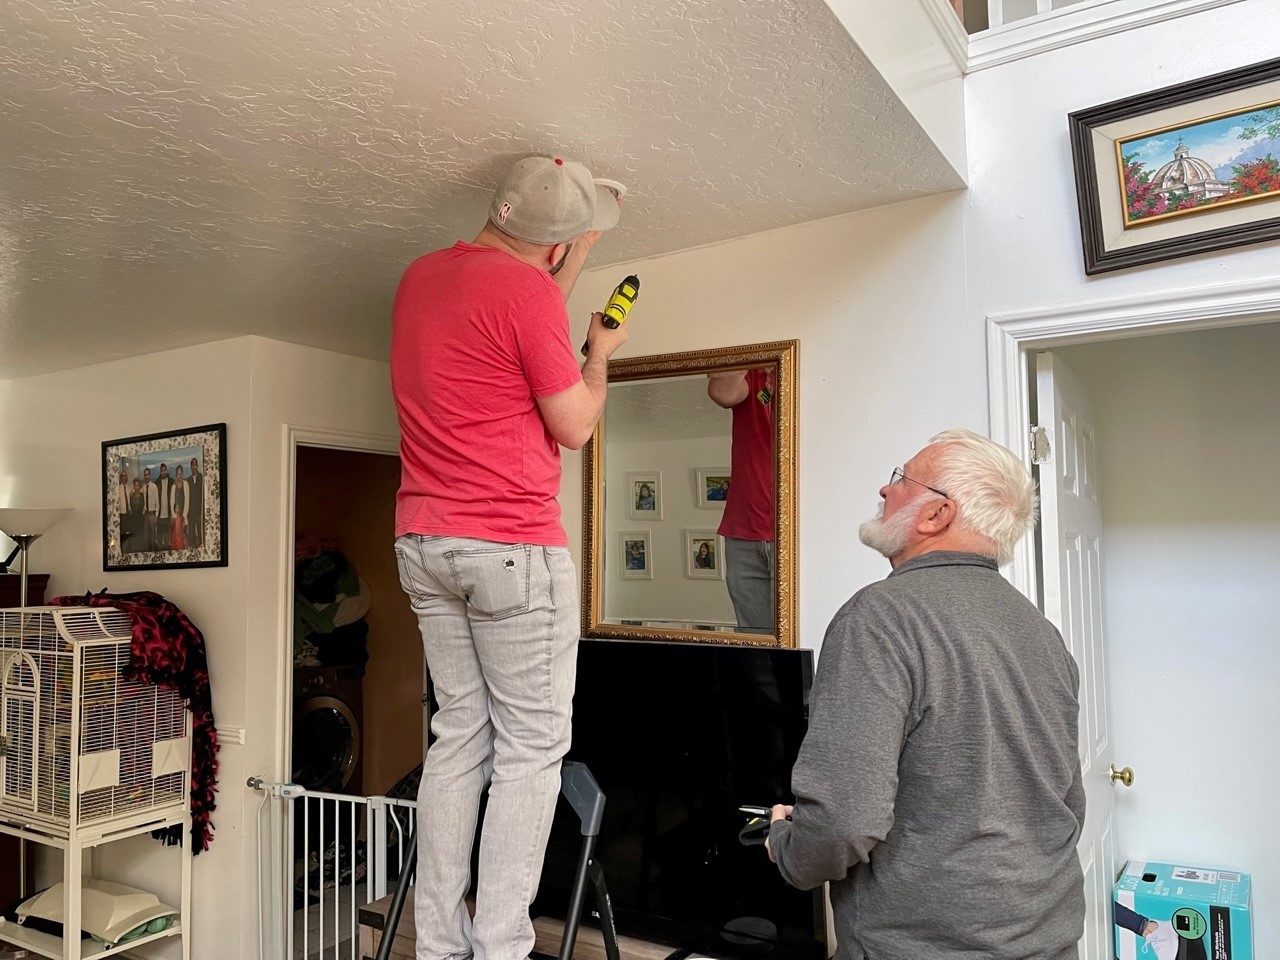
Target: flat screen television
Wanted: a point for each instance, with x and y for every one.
(679, 736)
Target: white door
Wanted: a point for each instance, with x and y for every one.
(1071, 563)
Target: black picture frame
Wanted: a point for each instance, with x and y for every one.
(134, 535)
(1082, 123)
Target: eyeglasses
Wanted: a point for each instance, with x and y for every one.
(899, 475)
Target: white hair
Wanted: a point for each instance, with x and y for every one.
(993, 490)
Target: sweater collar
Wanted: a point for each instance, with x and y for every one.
(947, 558)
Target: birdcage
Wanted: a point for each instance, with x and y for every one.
(81, 744)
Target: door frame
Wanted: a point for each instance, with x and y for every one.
(296, 436)
(1013, 336)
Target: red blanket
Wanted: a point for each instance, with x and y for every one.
(168, 651)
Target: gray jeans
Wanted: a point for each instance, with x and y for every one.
(500, 628)
(752, 588)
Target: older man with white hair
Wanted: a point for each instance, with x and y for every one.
(938, 788)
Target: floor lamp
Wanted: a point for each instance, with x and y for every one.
(24, 527)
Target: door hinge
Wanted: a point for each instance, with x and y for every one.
(1041, 451)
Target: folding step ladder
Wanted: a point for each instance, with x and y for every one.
(587, 800)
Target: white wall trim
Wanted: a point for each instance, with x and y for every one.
(1012, 336)
(950, 29)
(1074, 25)
(294, 436)
(300, 436)
(1128, 316)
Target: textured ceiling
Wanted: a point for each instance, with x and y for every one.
(176, 171)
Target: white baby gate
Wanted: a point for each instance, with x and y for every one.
(323, 856)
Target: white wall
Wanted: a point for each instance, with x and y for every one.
(1022, 223)
(670, 595)
(303, 387)
(1189, 444)
(887, 357)
(1024, 253)
(49, 456)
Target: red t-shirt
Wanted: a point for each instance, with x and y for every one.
(477, 336)
(748, 513)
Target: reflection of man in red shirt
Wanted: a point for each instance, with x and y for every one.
(748, 524)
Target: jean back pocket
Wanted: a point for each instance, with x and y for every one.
(495, 580)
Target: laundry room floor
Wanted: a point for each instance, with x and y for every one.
(322, 943)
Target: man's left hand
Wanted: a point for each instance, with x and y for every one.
(576, 259)
(780, 811)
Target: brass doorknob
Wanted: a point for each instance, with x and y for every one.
(1125, 776)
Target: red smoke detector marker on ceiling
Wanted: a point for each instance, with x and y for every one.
(560, 161)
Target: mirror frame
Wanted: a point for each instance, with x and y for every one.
(784, 354)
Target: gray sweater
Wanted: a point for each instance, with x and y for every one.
(938, 787)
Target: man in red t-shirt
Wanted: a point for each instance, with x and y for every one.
(748, 522)
(487, 389)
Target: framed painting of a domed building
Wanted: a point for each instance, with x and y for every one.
(1180, 171)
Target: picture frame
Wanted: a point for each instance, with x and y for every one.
(139, 532)
(635, 555)
(1179, 171)
(712, 487)
(644, 495)
(703, 554)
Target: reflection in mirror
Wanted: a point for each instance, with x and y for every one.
(687, 534)
(748, 522)
(689, 502)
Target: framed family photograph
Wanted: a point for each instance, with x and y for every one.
(644, 496)
(712, 487)
(703, 555)
(1183, 170)
(164, 500)
(637, 555)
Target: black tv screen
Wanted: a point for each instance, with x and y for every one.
(679, 736)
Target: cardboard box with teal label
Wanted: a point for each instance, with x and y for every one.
(1182, 913)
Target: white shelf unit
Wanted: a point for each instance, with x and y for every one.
(77, 865)
(88, 756)
(44, 945)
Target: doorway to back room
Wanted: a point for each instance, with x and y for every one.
(1178, 444)
(357, 677)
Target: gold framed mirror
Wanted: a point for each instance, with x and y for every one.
(689, 499)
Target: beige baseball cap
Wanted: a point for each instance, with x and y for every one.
(551, 200)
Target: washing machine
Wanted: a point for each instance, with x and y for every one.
(328, 714)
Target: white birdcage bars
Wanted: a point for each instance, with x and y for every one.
(81, 743)
(87, 755)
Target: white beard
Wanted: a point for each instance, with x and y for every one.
(890, 537)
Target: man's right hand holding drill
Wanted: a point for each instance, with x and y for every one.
(571, 415)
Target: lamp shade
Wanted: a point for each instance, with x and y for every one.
(29, 522)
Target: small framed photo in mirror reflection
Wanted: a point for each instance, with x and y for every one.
(636, 557)
(644, 495)
(703, 555)
(713, 487)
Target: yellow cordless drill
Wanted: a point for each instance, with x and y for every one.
(619, 306)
